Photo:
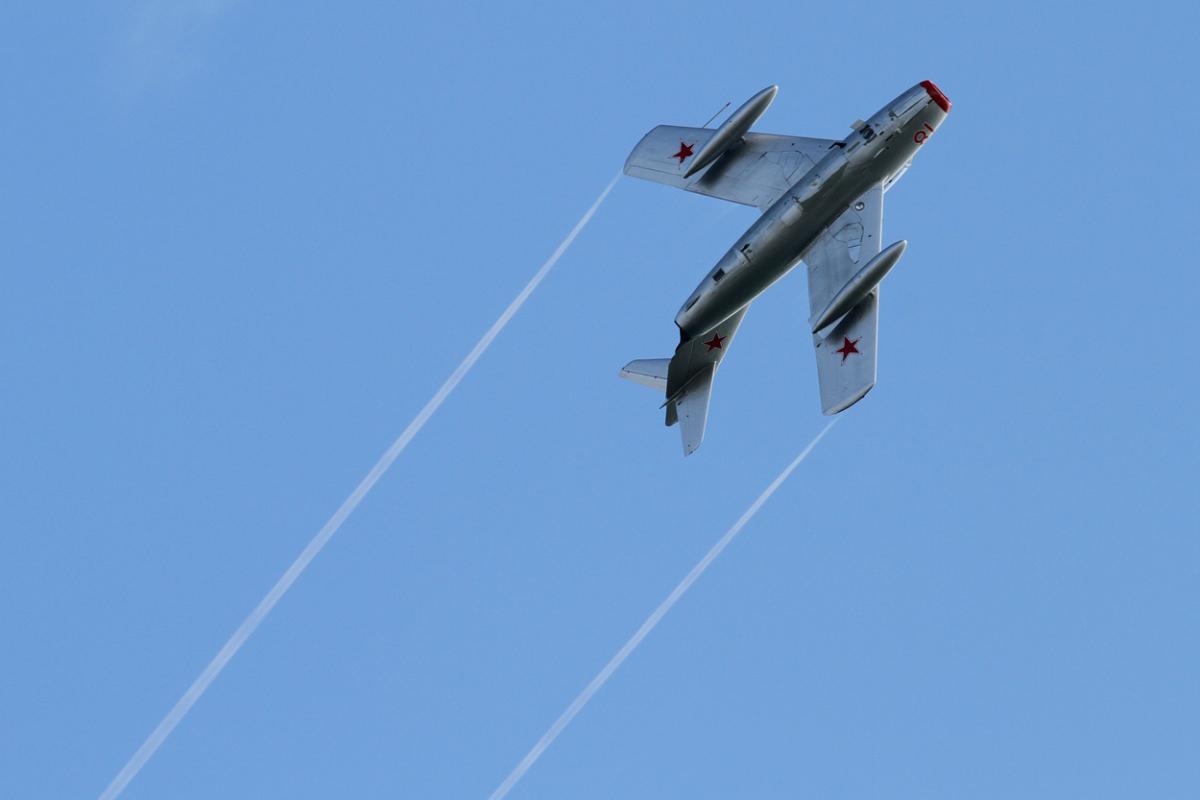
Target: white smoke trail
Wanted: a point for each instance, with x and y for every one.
(602, 677)
(201, 684)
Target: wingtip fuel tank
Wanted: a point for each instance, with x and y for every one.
(732, 129)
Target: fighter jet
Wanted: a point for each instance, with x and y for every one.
(822, 202)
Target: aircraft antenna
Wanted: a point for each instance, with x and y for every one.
(714, 116)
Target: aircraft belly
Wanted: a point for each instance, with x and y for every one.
(741, 286)
(772, 246)
(774, 250)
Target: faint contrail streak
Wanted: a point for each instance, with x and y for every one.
(201, 684)
(602, 677)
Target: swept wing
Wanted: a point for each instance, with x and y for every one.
(847, 352)
(756, 172)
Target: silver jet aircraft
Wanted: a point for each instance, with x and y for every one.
(822, 201)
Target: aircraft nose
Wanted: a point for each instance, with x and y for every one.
(937, 95)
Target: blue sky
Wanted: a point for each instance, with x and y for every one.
(247, 241)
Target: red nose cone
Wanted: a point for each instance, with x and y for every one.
(936, 93)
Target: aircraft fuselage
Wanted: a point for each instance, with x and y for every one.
(878, 151)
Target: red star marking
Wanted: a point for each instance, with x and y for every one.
(685, 150)
(714, 343)
(847, 348)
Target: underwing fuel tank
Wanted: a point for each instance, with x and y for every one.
(732, 130)
(860, 285)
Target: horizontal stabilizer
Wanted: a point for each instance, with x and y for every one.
(689, 380)
(692, 409)
(650, 372)
(686, 380)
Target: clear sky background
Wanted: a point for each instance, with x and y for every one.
(245, 241)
